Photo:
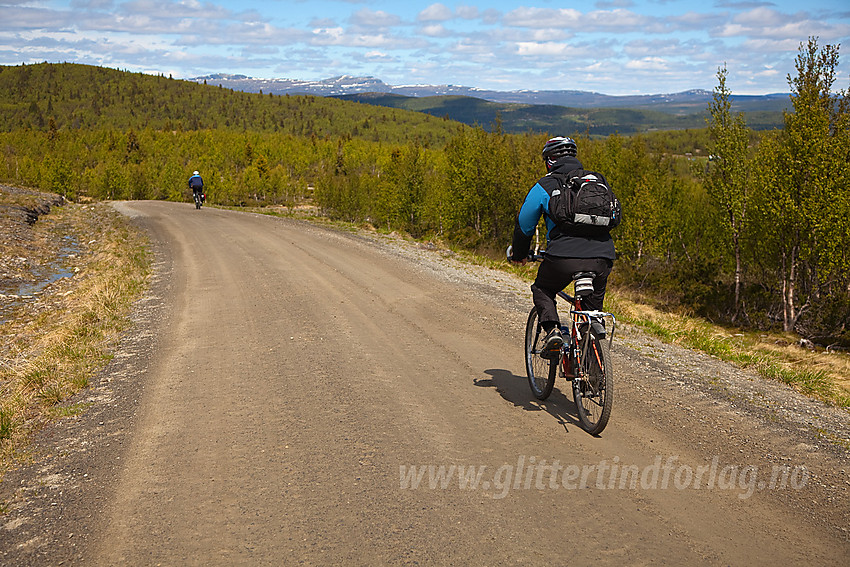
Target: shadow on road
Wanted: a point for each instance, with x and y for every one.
(515, 389)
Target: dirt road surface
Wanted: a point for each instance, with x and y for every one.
(290, 393)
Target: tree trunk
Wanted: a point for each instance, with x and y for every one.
(784, 290)
(789, 289)
(738, 270)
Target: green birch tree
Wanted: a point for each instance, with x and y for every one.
(727, 176)
(803, 204)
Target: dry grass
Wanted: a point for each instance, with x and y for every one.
(816, 373)
(51, 347)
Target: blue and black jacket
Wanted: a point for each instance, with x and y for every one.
(559, 243)
(196, 183)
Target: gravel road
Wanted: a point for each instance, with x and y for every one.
(293, 394)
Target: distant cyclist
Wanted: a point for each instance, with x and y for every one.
(567, 252)
(197, 186)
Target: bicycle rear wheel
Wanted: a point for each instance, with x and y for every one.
(593, 392)
(541, 372)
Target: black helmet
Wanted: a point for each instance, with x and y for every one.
(558, 147)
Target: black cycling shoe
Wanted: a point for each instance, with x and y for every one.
(552, 345)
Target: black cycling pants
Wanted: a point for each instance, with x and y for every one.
(555, 274)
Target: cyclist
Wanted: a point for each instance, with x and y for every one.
(566, 253)
(197, 185)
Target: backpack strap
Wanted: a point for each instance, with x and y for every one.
(564, 178)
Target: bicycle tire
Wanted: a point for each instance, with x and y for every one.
(593, 393)
(540, 371)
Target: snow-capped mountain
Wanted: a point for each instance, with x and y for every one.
(351, 85)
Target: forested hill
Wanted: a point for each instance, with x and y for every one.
(73, 96)
(519, 118)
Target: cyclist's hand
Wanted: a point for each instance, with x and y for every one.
(510, 255)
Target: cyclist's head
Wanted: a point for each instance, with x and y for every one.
(195, 173)
(558, 147)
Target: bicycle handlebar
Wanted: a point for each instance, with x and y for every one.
(532, 255)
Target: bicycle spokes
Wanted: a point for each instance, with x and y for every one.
(592, 392)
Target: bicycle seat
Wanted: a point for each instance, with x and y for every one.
(584, 282)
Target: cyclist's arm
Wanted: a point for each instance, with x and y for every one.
(532, 208)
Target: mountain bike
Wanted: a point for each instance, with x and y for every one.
(584, 359)
(199, 199)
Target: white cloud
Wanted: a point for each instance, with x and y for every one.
(644, 48)
(648, 64)
(571, 19)
(491, 16)
(377, 56)
(696, 21)
(168, 10)
(467, 12)
(26, 18)
(731, 30)
(769, 73)
(594, 67)
(436, 30)
(371, 19)
(90, 4)
(761, 17)
(771, 46)
(327, 36)
(379, 40)
(467, 47)
(615, 41)
(546, 35)
(435, 13)
(536, 17)
(541, 49)
(623, 19)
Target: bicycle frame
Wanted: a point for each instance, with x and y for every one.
(575, 349)
(584, 358)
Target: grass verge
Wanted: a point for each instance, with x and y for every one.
(53, 345)
(815, 373)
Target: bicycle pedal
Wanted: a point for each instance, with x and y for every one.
(550, 354)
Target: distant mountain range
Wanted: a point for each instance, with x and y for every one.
(687, 102)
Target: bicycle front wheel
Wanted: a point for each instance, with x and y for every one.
(593, 392)
(541, 372)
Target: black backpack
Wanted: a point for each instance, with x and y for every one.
(584, 204)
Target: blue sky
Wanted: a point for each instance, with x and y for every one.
(614, 47)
